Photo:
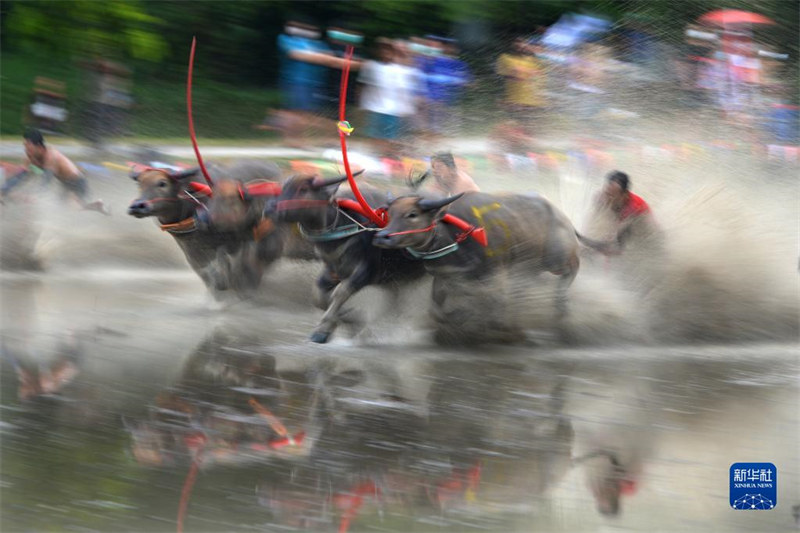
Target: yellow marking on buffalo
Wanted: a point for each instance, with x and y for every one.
(479, 212)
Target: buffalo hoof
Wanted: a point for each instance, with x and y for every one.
(320, 337)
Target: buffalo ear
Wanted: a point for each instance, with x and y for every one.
(436, 204)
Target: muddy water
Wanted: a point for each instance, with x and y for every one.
(389, 431)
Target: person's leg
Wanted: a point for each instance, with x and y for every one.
(392, 126)
(299, 102)
(377, 131)
(80, 189)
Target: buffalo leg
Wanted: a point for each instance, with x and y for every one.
(249, 268)
(217, 272)
(325, 285)
(564, 282)
(343, 291)
(566, 277)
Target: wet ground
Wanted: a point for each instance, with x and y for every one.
(120, 374)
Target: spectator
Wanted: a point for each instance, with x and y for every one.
(446, 77)
(525, 80)
(388, 95)
(302, 80)
(111, 100)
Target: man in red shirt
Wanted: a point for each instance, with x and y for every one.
(631, 214)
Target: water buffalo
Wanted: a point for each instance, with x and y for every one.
(223, 260)
(522, 231)
(248, 209)
(343, 240)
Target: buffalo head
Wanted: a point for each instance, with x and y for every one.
(306, 198)
(160, 190)
(233, 205)
(411, 221)
(609, 481)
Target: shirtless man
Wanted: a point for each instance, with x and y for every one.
(449, 179)
(52, 163)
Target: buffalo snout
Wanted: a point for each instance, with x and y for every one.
(139, 209)
(382, 239)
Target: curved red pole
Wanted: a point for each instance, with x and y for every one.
(370, 213)
(189, 113)
(188, 484)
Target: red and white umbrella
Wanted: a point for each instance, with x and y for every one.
(733, 17)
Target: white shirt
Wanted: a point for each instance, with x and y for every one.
(389, 88)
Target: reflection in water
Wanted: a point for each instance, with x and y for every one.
(341, 434)
(37, 380)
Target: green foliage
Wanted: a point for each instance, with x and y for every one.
(237, 54)
(86, 28)
(221, 110)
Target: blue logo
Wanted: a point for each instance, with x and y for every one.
(753, 486)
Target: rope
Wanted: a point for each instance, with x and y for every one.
(357, 223)
(435, 254)
(328, 234)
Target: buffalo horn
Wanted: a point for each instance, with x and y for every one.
(181, 174)
(319, 183)
(431, 205)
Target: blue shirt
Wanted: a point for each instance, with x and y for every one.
(295, 72)
(445, 76)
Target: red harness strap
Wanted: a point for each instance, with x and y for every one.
(266, 188)
(477, 233)
(412, 231)
(467, 229)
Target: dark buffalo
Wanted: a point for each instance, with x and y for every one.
(343, 240)
(247, 208)
(522, 231)
(223, 260)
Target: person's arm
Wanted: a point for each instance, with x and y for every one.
(641, 225)
(322, 58)
(65, 169)
(623, 235)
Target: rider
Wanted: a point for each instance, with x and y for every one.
(632, 216)
(53, 163)
(449, 179)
